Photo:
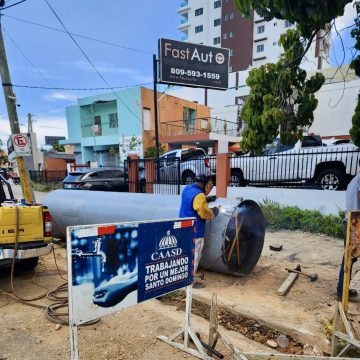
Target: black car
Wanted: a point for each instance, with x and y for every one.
(71, 180)
(98, 179)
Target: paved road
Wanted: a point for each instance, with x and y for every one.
(39, 196)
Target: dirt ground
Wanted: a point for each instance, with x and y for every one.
(25, 332)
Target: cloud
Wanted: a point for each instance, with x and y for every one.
(58, 95)
(348, 18)
(103, 67)
(43, 126)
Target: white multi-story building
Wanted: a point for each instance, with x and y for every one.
(252, 42)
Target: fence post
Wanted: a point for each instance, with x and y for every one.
(222, 174)
(150, 175)
(133, 168)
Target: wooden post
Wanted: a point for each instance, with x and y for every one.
(347, 267)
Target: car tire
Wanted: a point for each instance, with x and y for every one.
(188, 177)
(237, 178)
(27, 264)
(331, 179)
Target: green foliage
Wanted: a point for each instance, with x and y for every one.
(355, 64)
(4, 159)
(58, 147)
(280, 98)
(279, 217)
(309, 15)
(45, 187)
(355, 130)
(151, 151)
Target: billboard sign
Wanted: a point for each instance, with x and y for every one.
(196, 65)
(18, 145)
(114, 266)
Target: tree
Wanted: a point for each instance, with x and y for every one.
(151, 151)
(58, 147)
(128, 145)
(3, 159)
(281, 100)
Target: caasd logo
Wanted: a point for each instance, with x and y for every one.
(167, 248)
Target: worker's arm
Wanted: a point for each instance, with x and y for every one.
(200, 205)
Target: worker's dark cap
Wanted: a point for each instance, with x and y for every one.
(201, 178)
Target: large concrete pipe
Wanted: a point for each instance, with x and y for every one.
(233, 240)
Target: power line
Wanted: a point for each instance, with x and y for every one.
(90, 62)
(74, 89)
(26, 58)
(79, 35)
(7, 7)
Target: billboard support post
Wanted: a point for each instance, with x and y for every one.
(187, 332)
(74, 342)
(156, 107)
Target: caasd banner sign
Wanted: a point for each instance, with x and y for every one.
(115, 266)
(190, 64)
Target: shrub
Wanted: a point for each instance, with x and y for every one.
(46, 187)
(281, 217)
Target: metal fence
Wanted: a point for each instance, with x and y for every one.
(47, 176)
(323, 168)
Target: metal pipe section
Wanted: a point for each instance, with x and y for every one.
(233, 240)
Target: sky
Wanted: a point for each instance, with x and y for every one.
(39, 56)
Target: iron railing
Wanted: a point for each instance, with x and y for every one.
(47, 176)
(199, 126)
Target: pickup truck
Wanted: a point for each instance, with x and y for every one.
(180, 165)
(308, 162)
(34, 233)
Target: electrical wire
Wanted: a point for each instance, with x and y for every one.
(8, 7)
(25, 57)
(80, 36)
(74, 89)
(91, 63)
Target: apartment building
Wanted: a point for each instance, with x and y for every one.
(252, 42)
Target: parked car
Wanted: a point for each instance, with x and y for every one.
(327, 167)
(181, 165)
(71, 180)
(103, 179)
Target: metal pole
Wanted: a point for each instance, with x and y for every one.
(156, 107)
(10, 100)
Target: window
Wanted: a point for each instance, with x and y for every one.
(199, 11)
(275, 23)
(231, 34)
(287, 24)
(231, 16)
(216, 41)
(230, 68)
(260, 48)
(217, 4)
(198, 29)
(226, 17)
(217, 22)
(261, 29)
(147, 119)
(225, 36)
(113, 120)
(274, 43)
(231, 52)
(170, 159)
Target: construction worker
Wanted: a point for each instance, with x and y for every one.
(352, 204)
(195, 204)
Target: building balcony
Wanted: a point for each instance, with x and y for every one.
(184, 25)
(184, 7)
(198, 127)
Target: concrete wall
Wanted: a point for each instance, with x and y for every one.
(327, 202)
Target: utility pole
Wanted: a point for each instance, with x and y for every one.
(10, 100)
